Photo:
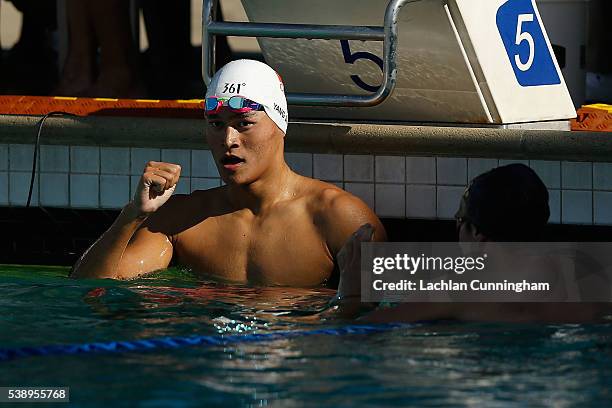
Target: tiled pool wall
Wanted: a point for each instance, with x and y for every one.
(394, 186)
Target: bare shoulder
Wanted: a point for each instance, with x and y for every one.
(183, 210)
(332, 201)
(339, 214)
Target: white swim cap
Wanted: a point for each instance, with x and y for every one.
(255, 81)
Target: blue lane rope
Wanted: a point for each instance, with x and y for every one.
(177, 342)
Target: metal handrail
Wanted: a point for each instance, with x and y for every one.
(388, 34)
(272, 30)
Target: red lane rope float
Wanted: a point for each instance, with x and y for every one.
(41, 105)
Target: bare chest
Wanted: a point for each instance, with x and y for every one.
(280, 249)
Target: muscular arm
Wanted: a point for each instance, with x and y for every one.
(127, 249)
(342, 214)
(348, 223)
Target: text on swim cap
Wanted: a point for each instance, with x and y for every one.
(280, 111)
(232, 88)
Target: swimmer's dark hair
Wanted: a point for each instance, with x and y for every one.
(508, 203)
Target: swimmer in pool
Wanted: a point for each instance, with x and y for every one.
(508, 203)
(267, 225)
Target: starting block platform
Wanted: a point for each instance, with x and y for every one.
(458, 61)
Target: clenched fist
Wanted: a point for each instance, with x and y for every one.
(156, 185)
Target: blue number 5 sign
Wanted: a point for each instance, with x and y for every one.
(526, 47)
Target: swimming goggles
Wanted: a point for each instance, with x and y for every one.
(238, 104)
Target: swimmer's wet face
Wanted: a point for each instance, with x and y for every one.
(246, 121)
(246, 146)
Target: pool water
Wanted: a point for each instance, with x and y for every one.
(435, 364)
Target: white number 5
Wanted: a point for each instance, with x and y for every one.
(524, 36)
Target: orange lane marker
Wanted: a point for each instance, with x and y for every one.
(41, 105)
(594, 118)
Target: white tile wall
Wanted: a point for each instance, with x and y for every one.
(203, 164)
(20, 157)
(301, 163)
(115, 160)
(548, 171)
(54, 190)
(478, 166)
(448, 201)
(554, 204)
(602, 207)
(54, 158)
(114, 191)
(395, 186)
(19, 186)
(452, 171)
(139, 157)
(390, 200)
(602, 176)
(4, 156)
(84, 190)
(390, 169)
(420, 201)
(181, 157)
(365, 191)
(577, 176)
(421, 170)
(85, 159)
(577, 207)
(4, 189)
(198, 183)
(359, 168)
(328, 167)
